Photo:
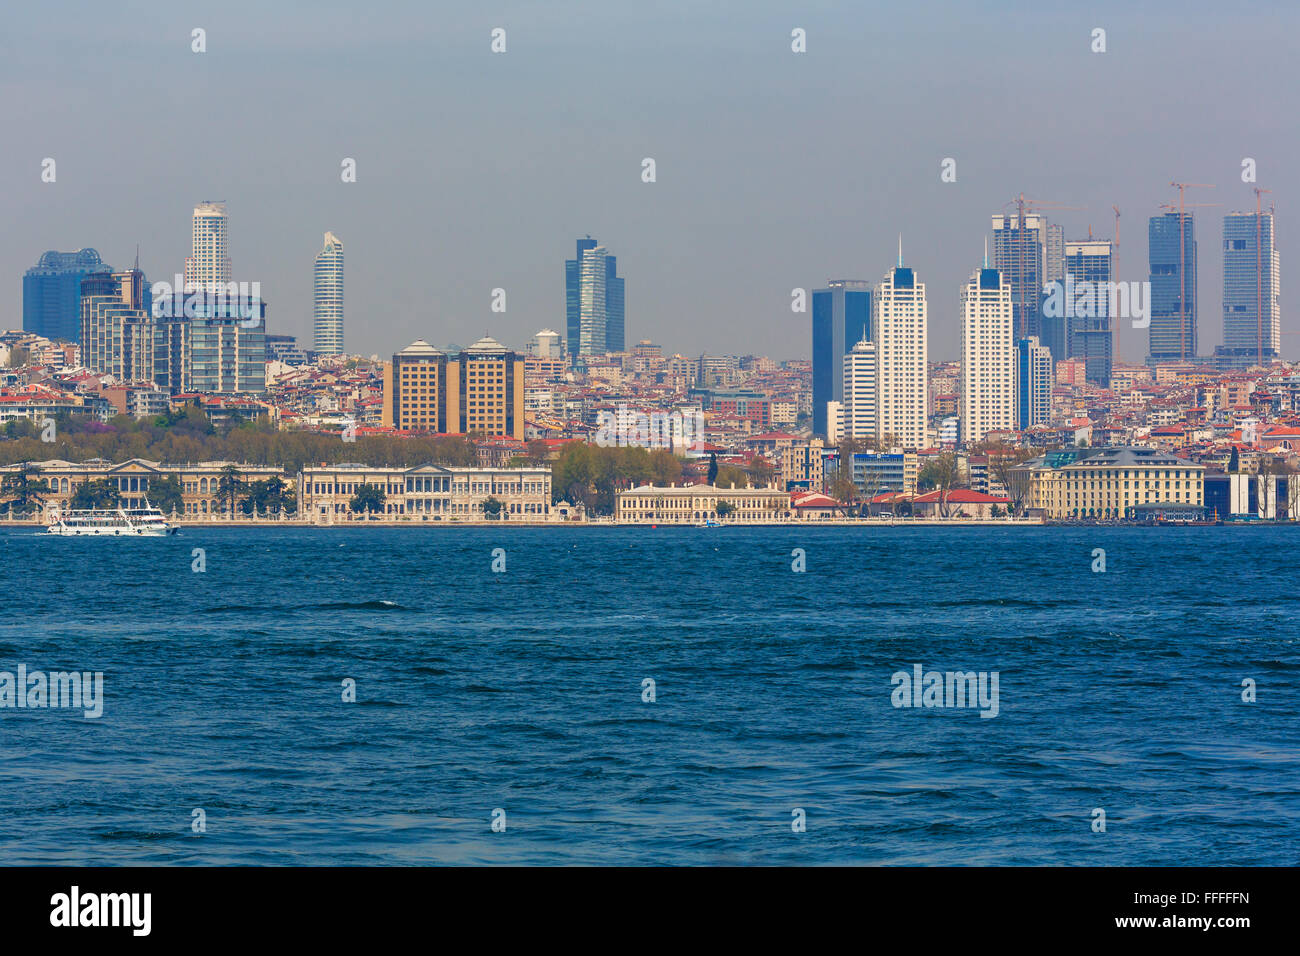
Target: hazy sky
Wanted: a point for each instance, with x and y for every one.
(775, 170)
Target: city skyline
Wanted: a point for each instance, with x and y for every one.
(740, 156)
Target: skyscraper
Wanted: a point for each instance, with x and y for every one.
(1033, 383)
(1088, 319)
(594, 301)
(209, 262)
(52, 292)
(1054, 253)
(117, 326)
(1172, 335)
(841, 315)
(1018, 255)
(988, 356)
(899, 320)
(859, 409)
(328, 302)
(1252, 312)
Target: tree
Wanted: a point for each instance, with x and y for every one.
(1234, 463)
(1004, 468)
(943, 474)
(369, 499)
(229, 487)
(100, 493)
(492, 507)
(713, 468)
(724, 508)
(165, 493)
(268, 497)
(22, 489)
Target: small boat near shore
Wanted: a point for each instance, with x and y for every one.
(147, 522)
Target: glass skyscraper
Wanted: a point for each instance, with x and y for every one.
(1252, 317)
(1018, 255)
(1090, 335)
(593, 300)
(328, 298)
(52, 293)
(841, 316)
(1171, 341)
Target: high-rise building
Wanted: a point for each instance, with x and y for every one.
(841, 315)
(1033, 383)
(52, 292)
(1252, 312)
(1054, 253)
(899, 324)
(859, 409)
(1089, 323)
(546, 344)
(479, 391)
(209, 263)
(328, 298)
(117, 326)
(988, 356)
(210, 344)
(594, 301)
(1018, 255)
(1172, 336)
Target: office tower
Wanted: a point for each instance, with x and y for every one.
(841, 315)
(421, 390)
(52, 292)
(491, 390)
(988, 355)
(1033, 383)
(1018, 255)
(1252, 316)
(1089, 324)
(209, 263)
(859, 407)
(594, 301)
(327, 310)
(1172, 336)
(902, 373)
(1053, 253)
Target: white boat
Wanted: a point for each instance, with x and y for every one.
(147, 522)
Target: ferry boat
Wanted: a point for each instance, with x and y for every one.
(147, 522)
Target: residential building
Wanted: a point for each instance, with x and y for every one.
(988, 355)
(1033, 383)
(860, 389)
(327, 311)
(208, 266)
(899, 330)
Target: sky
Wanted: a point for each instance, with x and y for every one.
(775, 170)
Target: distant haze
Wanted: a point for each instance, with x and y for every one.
(775, 169)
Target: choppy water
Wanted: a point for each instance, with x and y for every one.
(523, 691)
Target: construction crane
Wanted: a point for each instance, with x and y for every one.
(1033, 205)
(1114, 274)
(1182, 259)
(1259, 279)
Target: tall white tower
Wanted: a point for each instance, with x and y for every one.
(209, 263)
(860, 391)
(988, 355)
(901, 356)
(328, 290)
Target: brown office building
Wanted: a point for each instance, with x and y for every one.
(480, 391)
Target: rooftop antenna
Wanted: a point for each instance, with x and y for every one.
(986, 252)
(900, 250)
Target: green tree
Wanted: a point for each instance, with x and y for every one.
(713, 468)
(492, 507)
(22, 489)
(100, 493)
(166, 494)
(229, 487)
(724, 508)
(1234, 463)
(369, 499)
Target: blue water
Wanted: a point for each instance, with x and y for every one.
(523, 691)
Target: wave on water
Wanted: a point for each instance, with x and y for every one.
(329, 606)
